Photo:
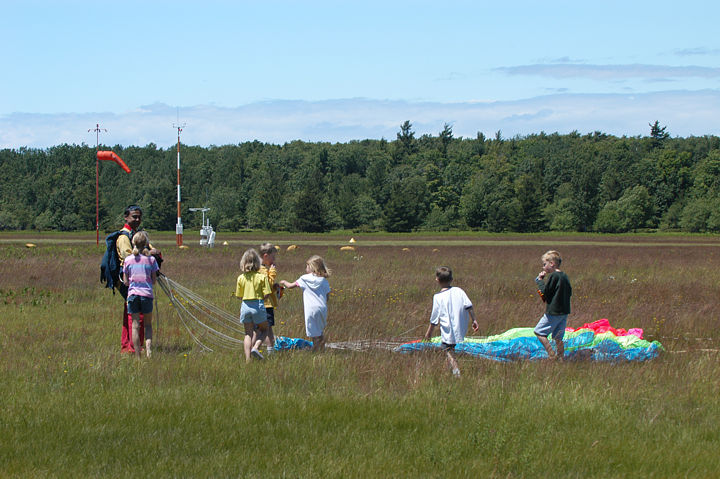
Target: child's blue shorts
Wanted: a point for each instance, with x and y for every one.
(554, 325)
(139, 304)
(253, 311)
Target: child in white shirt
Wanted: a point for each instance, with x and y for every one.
(316, 289)
(451, 308)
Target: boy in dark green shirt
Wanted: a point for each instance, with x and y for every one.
(555, 290)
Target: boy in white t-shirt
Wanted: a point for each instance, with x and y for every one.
(451, 308)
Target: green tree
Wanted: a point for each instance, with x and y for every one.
(610, 219)
(406, 206)
(658, 134)
(706, 176)
(309, 213)
(445, 137)
(636, 208)
(695, 215)
(560, 214)
(489, 200)
(406, 140)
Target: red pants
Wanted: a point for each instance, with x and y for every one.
(126, 344)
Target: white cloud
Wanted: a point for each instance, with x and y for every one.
(612, 72)
(685, 113)
(698, 51)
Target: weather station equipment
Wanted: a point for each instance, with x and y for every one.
(207, 235)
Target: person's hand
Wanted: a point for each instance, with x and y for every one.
(541, 275)
(475, 325)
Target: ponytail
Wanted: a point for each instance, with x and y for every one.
(140, 241)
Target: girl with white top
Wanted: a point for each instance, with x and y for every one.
(316, 289)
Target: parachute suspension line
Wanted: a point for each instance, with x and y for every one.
(183, 313)
(366, 345)
(206, 324)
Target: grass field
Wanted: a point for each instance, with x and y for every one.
(73, 406)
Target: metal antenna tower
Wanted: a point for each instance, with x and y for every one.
(178, 226)
(97, 131)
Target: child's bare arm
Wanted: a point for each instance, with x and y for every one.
(428, 334)
(287, 285)
(471, 312)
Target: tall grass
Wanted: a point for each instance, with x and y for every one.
(74, 406)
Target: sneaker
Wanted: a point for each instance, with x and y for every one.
(256, 354)
(456, 372)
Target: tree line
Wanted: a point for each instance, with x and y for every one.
(539, 182)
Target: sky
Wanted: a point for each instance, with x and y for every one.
(337, 71)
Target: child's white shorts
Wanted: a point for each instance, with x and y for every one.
(315, 322)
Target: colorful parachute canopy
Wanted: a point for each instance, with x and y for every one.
(111, 156)
(597, 341)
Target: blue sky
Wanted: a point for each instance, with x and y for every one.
(278, 71)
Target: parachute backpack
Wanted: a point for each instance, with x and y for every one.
(110, 265)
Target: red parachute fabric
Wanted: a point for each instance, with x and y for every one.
(603, 326)
(111, 156)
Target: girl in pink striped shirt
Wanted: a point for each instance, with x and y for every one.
(139, 274)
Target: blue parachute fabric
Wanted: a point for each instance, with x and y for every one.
(611, 351)
(285, 343)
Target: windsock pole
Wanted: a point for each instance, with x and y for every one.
(97, 131)
(178, 226)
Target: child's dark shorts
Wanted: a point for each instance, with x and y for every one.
(447, 347)
(139, 304)
(270, 316)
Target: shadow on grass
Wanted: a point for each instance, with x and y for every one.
(172, 348)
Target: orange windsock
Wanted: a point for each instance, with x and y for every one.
(111, 156)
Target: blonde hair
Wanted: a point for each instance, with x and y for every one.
(552, 256)
(318, 266)
(140, 242)
(267, 248)
(250, 261)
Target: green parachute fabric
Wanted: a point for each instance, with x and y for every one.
(595, 341)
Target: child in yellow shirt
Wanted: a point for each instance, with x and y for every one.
(253, 288)
(268, 268)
